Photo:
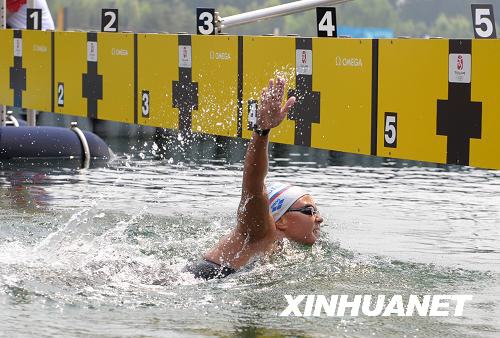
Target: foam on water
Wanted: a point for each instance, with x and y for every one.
(104, 251)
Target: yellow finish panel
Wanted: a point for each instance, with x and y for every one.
(116, 65)
(37, 59)
(413, 75)
(157, 68)
(484, 83)
(266, 57)
(70, 49)
(342, 73)
(215, 68)
(6, 61)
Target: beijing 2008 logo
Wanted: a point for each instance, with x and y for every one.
(460, 62)
(304, 57)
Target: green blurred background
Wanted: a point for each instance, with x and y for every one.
(414, 18)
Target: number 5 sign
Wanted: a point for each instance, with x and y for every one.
(391, 130)
(326, 19)
(483, 21)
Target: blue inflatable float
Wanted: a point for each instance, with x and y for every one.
(20, 142)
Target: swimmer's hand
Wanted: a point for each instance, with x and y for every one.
(270, 112)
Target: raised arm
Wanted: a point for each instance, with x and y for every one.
(254, 219)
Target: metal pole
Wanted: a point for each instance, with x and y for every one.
(62, 19)
(3, 115)
(85, 145)
(31, 117)
(3, 25)
(31, 113)
(3, 14)
(272, 12)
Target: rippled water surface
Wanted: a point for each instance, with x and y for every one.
(101, 252)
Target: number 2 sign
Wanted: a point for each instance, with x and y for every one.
(109, 20)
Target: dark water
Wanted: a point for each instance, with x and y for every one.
(101, 252)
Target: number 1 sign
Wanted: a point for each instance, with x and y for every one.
(34, 18)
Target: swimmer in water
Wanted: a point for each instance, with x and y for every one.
(266, 214)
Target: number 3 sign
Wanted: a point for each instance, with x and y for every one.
(205, 21)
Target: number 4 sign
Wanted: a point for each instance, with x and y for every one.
(326, 19)
(483, 21)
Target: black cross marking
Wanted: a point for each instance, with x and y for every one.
(92, 83)
(185, 93)
(458, 117)
(307, 107)
(18, 76)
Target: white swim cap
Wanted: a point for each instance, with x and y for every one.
(281, 197)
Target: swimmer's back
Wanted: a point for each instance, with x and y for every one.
(206, 269)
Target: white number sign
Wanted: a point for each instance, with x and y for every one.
(483, 21)
(391, 130)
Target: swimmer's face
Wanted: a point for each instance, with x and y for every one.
(298, 226)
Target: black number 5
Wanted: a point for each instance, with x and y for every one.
(391, 130)
(483, 21)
